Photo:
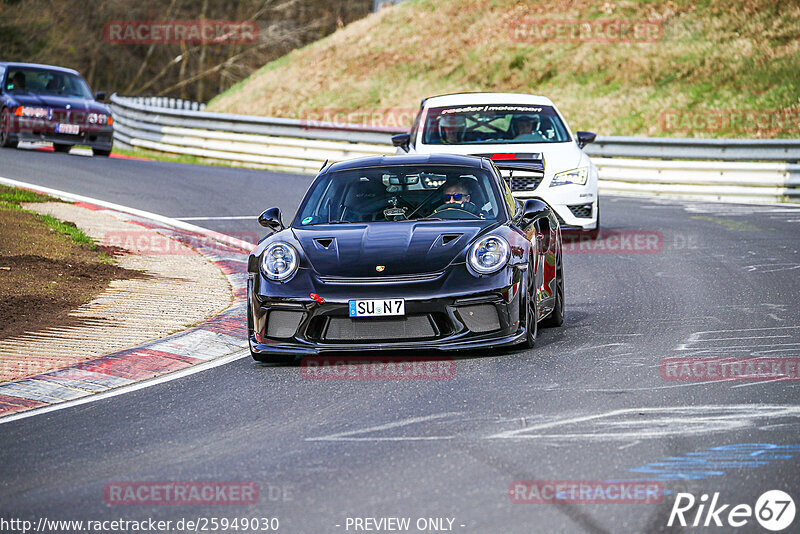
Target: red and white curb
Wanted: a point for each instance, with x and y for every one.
(213, 340)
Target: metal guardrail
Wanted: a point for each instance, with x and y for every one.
(166, 102)
(696, 149)
(661, 166)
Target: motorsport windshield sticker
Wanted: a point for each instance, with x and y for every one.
(496, 107)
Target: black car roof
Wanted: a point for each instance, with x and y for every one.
(37, 66)
(408, 159)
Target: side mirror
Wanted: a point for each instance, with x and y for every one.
(584, 138)
(534, 209)
(402, 141)
(100, 96)
(271, 219)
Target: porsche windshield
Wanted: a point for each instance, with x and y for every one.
(493, 123)
(400, 193)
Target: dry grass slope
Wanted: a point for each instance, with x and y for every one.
(712, 55)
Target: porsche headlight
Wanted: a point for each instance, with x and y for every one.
(489, 254)
(575, 176)
(279, 261)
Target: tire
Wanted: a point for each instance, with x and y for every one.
(5, 130)
(531, 313)
(58, 147)
(101, 153)
(556, 317)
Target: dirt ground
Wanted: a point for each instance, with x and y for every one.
(44, 274)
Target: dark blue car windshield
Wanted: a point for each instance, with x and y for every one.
(45, 82)
(400, 193)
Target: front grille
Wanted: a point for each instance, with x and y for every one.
(389, 279)
(522, 180)
(480, 318)
(525, 182)
(581, 211)
(282, 323)
(382, 329)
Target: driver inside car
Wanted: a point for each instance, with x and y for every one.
(528, 128)
(456, 196)
(452, 129)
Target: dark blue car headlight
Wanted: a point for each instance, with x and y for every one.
(279, 261)
(489, 254)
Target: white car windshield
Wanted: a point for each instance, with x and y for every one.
(493, 123)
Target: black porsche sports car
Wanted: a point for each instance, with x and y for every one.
(47, 103)
(406, 252)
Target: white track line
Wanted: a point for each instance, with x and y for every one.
(169, 221)
(153, 381)
(223, 218)
(121, 390)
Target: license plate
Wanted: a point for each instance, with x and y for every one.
(68, 128)
(377, 308)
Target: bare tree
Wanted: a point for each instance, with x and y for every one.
(65, 32)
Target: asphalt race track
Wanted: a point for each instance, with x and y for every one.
(588, 403)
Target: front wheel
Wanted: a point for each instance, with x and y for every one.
(102, 153)
(531, 313)
(58, 147)
(5, 130)
(556, 317)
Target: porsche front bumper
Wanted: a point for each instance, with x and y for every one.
(439, 321)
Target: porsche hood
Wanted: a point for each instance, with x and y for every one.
(387, 249)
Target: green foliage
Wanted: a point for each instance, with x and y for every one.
(13, 195)
(68, 229)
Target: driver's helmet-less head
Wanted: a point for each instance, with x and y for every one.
(452, 128)
(457, 191)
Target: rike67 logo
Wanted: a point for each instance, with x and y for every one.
(774, 510)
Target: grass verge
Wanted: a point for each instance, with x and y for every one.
(48, 267)
(712, 68)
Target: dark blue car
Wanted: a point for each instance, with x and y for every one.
(52, 104)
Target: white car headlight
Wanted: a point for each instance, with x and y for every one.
(575, 176)
(489, 254)
(279, 261)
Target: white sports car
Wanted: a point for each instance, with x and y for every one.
(506, 126)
